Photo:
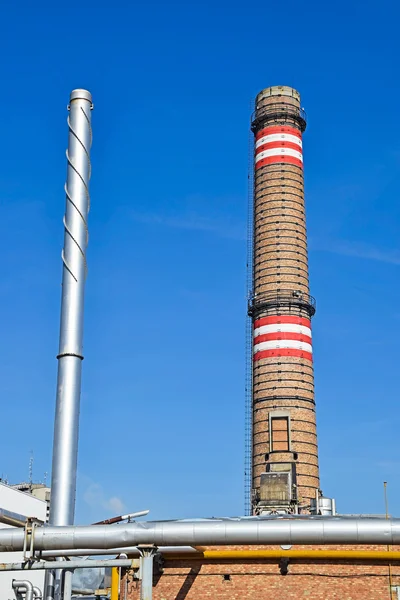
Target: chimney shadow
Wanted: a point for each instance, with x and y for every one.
(187, 584)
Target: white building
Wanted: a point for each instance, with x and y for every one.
(27, 505)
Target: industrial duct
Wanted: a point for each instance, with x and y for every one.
(212, 532)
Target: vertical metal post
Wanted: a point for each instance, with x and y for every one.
(114, 595)
(49, 585)
(67, 584)
(146, 571)
(70, 356)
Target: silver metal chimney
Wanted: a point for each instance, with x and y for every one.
(70, 356)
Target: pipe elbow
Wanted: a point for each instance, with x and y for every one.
(24, 584)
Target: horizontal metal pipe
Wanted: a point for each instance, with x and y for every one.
(68, 565)
(10, 518)
(87, 592)
(131, 550)
(243, 555)
(212, 532)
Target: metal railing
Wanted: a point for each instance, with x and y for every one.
(281, 298)
(278, 112)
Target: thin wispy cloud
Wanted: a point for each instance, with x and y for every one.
(194, 222)
(95, 497)
(389, 465)
(226, 228)
(357, 250)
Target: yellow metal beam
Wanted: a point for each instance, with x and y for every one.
(242, 555)
(114, 583)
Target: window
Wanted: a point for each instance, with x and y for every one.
(279, 434)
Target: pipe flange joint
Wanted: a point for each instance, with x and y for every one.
(69, 354)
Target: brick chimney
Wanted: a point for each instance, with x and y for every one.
(285, 475)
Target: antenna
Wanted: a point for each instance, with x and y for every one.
(31, 468)
(386, 499)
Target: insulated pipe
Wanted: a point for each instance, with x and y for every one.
(25, 585)
(121, 552)
(66, 423)
(37, 593)
(212, 532)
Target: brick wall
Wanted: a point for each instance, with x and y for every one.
(261, 580)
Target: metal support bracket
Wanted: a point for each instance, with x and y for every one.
(146, 551)
(147, 554)
(28, 549)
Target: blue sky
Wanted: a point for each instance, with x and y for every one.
(162, 401)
